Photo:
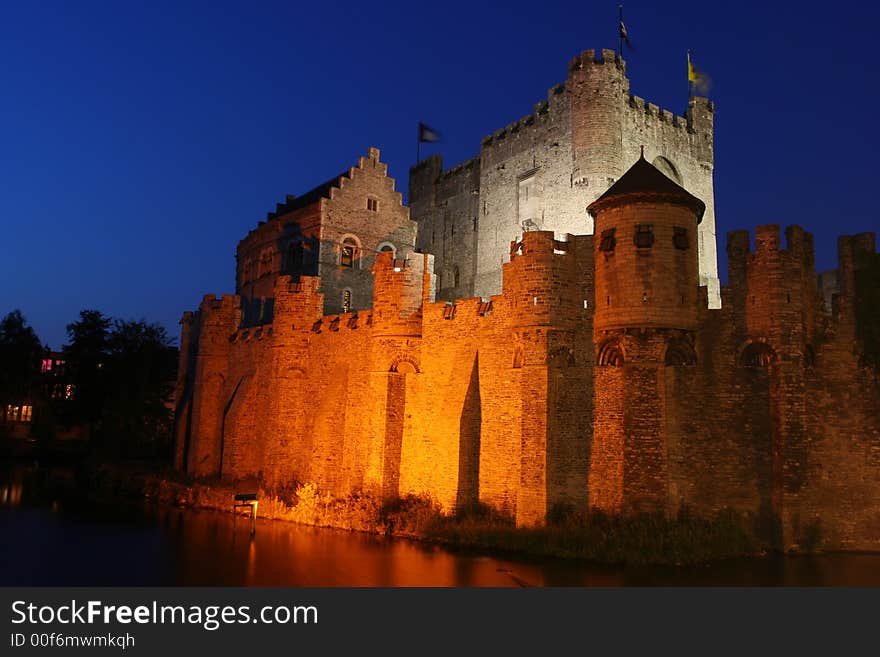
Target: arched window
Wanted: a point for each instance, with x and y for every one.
(388, 246)
(610, 354)
(679, 353)
(667, 168)
(350, 252)
(758, 354)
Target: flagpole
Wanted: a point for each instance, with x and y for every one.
(690, 84)
(620, 32)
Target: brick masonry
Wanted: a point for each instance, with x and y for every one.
(593, 380)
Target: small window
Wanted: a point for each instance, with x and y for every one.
(455, 277)
(680, 238)
(348, 253)
(608, 240)
(372, 205)
(644, 238)
(346, 301)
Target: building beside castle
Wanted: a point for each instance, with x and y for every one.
(599, 376)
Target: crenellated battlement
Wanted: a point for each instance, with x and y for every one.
(798, 242)
(654, 112)
(542, 112)
(210, 302)
(462, 168)
(591, 57)
(537, 242)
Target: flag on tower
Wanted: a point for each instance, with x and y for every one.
(622, 34)
(427, 134)
(697, 80)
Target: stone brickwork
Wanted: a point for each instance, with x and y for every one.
(596, 379)
(540, 172)
(334, 232)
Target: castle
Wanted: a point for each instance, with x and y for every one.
(539, 173)
(601, 376)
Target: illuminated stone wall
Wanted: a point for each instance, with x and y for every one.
(531, 400)
(572, 147)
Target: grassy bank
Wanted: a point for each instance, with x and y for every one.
(641, 539)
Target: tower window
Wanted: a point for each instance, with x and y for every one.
(608, 240)
(346, 301)
(680, 238)
(372, 205)
(644, 238)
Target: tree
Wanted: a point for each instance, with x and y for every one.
(140, 371)
(20, 353)
(85, 357)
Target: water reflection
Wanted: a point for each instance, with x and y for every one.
(82, 544)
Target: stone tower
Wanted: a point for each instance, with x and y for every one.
(647, 300)
(540, 172)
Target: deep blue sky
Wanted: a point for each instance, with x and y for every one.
(140, 142)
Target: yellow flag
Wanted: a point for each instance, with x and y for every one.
(697, 78)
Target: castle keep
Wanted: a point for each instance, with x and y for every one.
(598, 377)
(539, 173)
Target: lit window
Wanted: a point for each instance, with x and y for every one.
(644, 236)
(16, 413)
(346, 301)
(680, 238)
(348, 253)
(608, 240)
(46, 366)
(372, 205)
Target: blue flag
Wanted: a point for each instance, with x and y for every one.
(428, 134)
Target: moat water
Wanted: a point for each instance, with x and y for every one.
(46, 540)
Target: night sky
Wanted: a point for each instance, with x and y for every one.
(139, 143)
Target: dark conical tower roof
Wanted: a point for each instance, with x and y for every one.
(644, 181)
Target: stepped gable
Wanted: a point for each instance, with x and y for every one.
(644, 180)
(312, 196)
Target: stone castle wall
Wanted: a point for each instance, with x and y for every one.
(572, 148)
(766, 406)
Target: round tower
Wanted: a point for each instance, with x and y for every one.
(646, 253)
(599, 91)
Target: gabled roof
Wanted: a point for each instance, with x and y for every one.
(312, 196)
(644, 181)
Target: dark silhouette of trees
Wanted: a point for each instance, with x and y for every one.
(115, 387)
(139, 378)
(20, 353)
(85, 357)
